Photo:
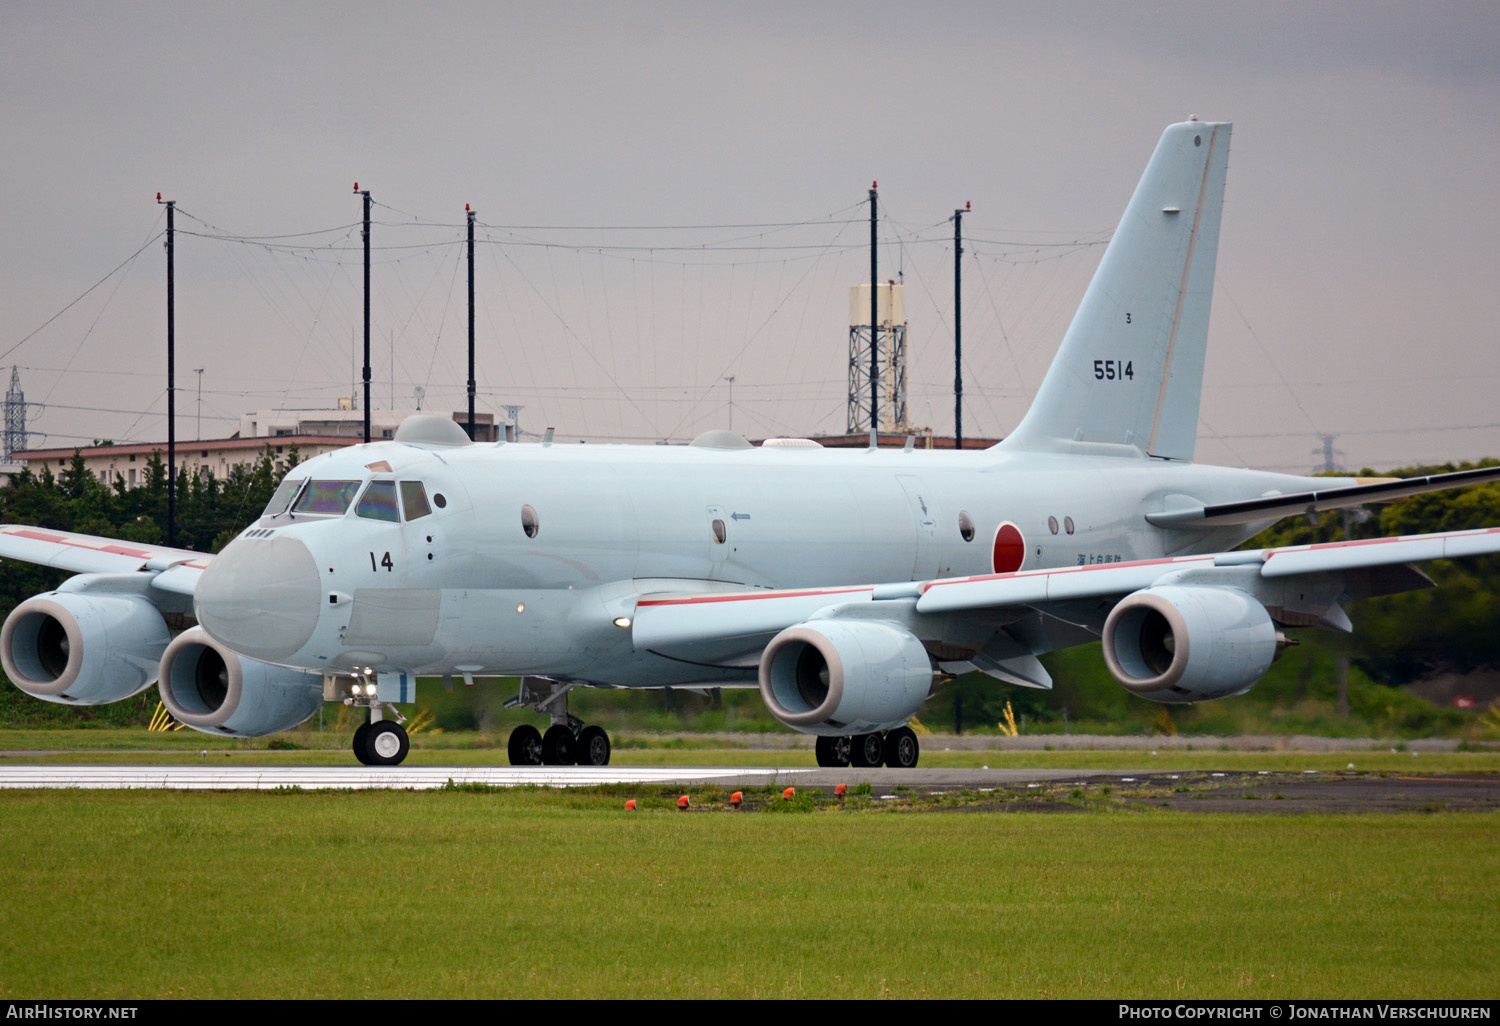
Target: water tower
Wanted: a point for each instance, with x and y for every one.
(889, 343)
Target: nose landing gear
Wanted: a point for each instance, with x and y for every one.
(377, 741)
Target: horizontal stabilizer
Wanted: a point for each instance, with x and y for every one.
(1274, 507)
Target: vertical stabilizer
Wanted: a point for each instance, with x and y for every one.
(1129, 373)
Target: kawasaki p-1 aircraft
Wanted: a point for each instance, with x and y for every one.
(846, 584)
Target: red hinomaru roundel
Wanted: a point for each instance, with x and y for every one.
(1010, 548)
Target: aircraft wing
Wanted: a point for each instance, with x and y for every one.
(664, 621)
(178, 569)
(1274, 507)
(1037, 587)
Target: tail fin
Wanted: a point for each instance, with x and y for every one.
(1129, 372)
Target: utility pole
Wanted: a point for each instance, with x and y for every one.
(199, 371)
(171, 376)
(730, 379)
(470, 214)
(958, 326)
(366, 233)
(874, 328)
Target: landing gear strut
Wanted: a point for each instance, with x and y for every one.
(377, 741)
(567, 741)
(897, 749)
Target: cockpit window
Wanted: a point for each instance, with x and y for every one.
(283, 497)
(326, 497)
(378, 502)
(414, 500)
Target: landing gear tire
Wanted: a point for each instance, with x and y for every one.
(866, 750)
(832, 751)
(593, 747)
(360, 733)
(525, 746)
(901, 748)
(558, 746)
(386, 744)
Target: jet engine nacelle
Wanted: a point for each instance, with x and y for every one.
(1187, 644)
(213, 689)
(837, 677)
(79, 648)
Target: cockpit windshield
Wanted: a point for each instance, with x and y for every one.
(326, 497)
(283, 497)
(378, 502)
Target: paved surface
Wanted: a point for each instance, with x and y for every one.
(978, 790)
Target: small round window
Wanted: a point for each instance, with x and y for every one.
(721, 533)
(1068, 524)
(439, 501)
(1052, 524)
(529, 522)
(965, 525)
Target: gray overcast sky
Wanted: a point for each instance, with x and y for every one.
(1357, 267)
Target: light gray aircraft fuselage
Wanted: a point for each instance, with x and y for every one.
(465, 586)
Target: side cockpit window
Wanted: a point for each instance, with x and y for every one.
(414, 500)
(378, 502)
(326, 497)
(283, 497)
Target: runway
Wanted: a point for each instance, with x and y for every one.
(189, 777)
(416, 778)
(983, 790)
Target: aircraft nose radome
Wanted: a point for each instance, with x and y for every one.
(260, 597)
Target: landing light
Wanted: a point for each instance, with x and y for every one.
(622, 621)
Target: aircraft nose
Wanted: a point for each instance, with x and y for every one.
(260, 597)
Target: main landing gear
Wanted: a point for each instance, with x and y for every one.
(568, 740)
(897, 749)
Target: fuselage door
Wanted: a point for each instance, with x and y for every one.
(924, 521)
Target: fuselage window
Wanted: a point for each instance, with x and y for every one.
(437, 497)
(327, 497)
(965, 525)
(529, 522)
(414, 500)
(283, 497)
(1068, 524)
(378, 502)
(721, 533)
(1052, 524)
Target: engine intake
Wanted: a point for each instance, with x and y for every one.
(1186, 644)
(837, 677)
(82, 649)
(213, 689)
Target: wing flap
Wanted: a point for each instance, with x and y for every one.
(1037, 587)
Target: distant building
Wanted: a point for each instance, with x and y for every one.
(311, 432)
(214, 458)
(346, 423)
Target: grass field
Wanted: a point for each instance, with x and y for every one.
(558, 894)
